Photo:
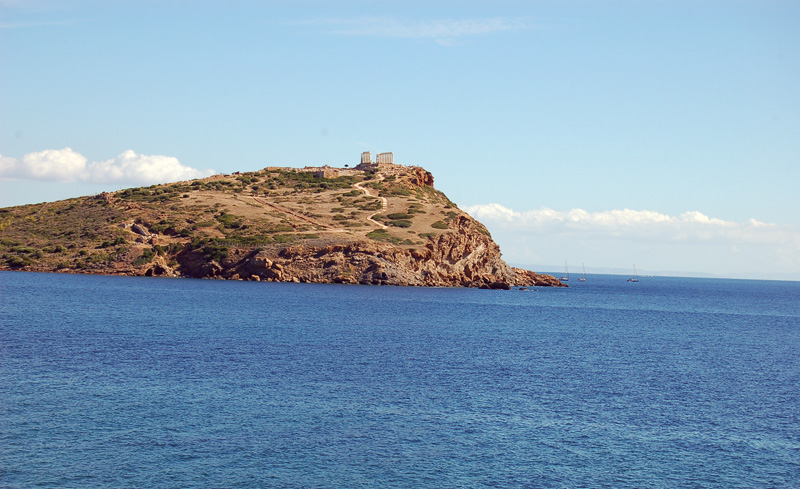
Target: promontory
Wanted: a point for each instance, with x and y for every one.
(376, 223)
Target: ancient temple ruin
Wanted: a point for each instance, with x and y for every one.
(366, 158)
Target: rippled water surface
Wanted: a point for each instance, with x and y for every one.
(141, 382)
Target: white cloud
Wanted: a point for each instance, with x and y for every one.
(644, 225)
(689, 243)
(444, 31)
(137, 168)
(61, 165)
(67, 165)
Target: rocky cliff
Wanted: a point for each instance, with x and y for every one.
(387, 226)
(464, 258)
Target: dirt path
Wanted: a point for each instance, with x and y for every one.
(324, 227)
(297, 216)
(384, 204)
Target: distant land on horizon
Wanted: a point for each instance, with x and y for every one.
(558, 270)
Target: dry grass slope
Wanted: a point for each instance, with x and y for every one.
(136, 230)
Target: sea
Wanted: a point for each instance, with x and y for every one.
(123, 382)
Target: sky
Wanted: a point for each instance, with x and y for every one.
(660, 134)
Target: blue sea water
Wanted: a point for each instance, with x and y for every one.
(161, 383)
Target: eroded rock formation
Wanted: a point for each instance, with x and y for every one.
(466, 257)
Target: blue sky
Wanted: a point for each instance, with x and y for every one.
(665, 133)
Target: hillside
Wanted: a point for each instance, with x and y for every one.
(373, 224)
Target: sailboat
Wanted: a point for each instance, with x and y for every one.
(583, 279)
(565, 278)
(634, 278)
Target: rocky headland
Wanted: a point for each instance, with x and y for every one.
(380, 224)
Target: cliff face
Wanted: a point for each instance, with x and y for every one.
(464, 258)
(387, 226)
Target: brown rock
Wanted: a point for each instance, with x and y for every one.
(139, 229)
(421, 178)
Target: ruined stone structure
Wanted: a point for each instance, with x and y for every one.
(320, 171)
(366, 159)
(384, 158)
(366, 165)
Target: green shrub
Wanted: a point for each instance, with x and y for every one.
(230, 221)
(108, 244)
(374, 205)
(146, 257)
(279, 228)
(239, 240)
(382, 235)
(22, 249)
(215, 252)
(283, 238)
(98, 258)
(18, 261)
(398, 191)
(439, 225)
(400, 223)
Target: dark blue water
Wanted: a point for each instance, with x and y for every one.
(135, 382)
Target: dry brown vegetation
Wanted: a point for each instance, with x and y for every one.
(132, 229)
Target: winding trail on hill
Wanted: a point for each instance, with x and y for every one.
(384, 204)
(324, 227)
(296, 215)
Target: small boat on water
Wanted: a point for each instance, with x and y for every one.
(583, 278)
(565, 278)
(634, 278)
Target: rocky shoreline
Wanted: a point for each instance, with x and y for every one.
(464, 258)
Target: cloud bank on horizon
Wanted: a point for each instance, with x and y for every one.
(633, 224)
(67, 165)
(641, 225)
(701, 237)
